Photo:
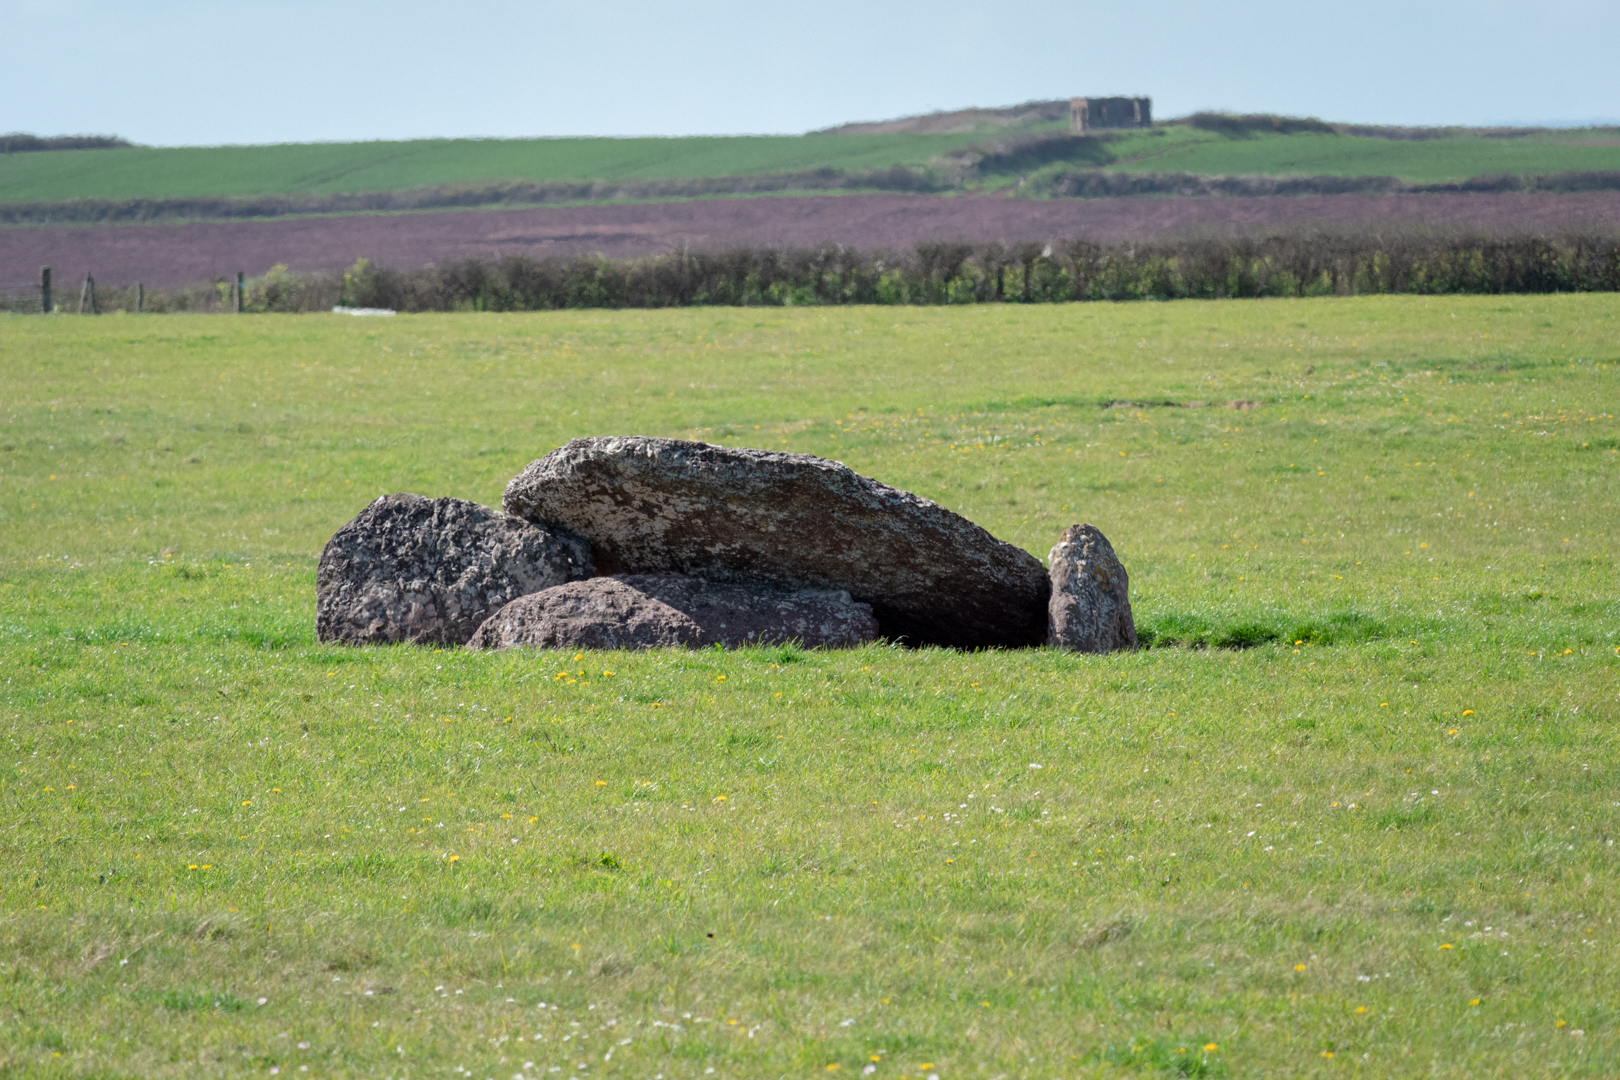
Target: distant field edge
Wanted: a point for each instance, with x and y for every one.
(463, 196)
(1075, 184)
(1098, 184)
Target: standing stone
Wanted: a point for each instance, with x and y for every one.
(639, 611)
(430, 571)
(1090, 610)
(790, 521)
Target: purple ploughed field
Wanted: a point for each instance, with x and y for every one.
(185, 253)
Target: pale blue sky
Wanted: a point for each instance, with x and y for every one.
(245, 71)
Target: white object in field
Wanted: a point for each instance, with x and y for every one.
(340, 310)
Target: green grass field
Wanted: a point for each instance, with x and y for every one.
(1430, 161)
(1378, 841)
(328, 168)
(325, 168)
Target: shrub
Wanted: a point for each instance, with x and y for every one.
(1246, 125)
(20, 143)
(1287, 263)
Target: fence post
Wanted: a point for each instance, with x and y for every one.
(140, 298)
(239, 277)
(44, 290)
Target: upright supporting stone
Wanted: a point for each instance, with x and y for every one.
(240, 283)
(44, 290)
(140, 298)
(1090, 609)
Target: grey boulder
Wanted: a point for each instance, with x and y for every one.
(1090, 610)
(431, 571)
(791, 521)
(639, 611)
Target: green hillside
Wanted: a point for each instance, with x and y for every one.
(315, 169)
(326, 168)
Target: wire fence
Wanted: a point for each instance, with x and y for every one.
(21, 296)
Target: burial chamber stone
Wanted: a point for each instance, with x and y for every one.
(1090, 610)
(639, 611)
(430, 571)
(788, 521)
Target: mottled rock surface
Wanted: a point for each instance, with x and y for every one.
(638, 611)
(1090, 610)
(791, 521)
(423, 570)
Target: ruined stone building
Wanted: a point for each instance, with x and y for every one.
(1088, 114)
